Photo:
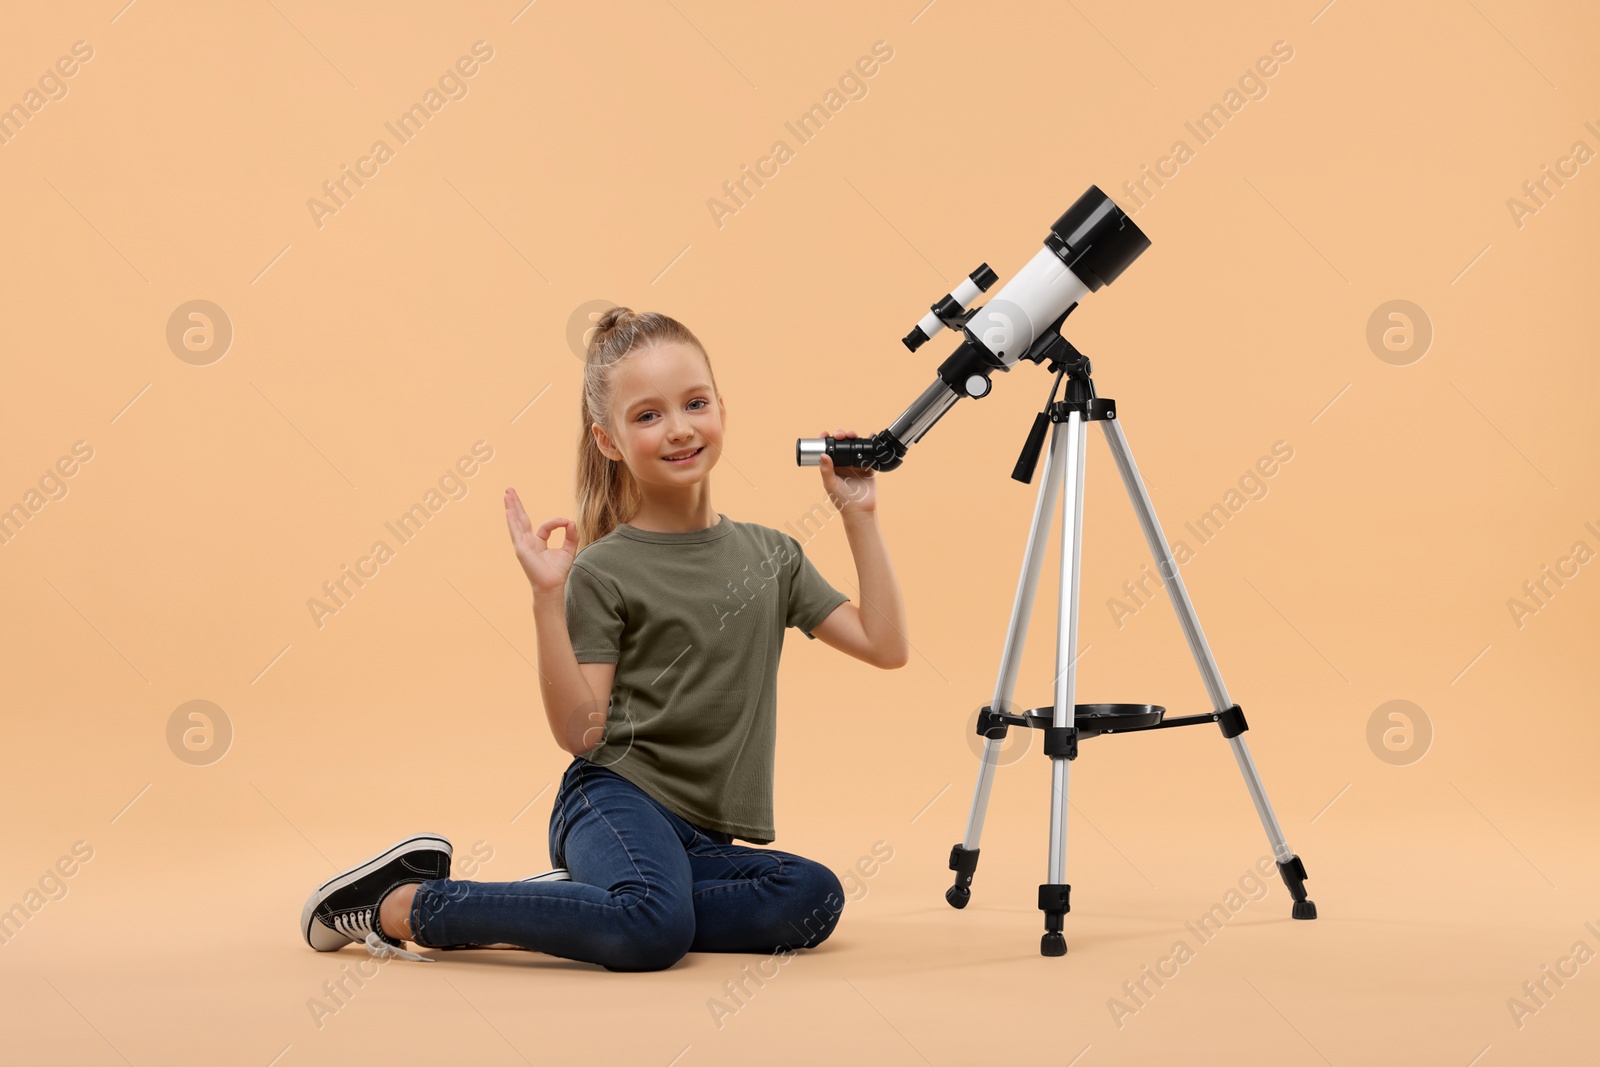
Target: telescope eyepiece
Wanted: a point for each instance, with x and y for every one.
(808, 451)
(883, 451)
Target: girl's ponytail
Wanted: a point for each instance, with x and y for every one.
(607, 493)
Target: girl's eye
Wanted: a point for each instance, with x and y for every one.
(696, 400)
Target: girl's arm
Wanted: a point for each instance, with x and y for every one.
(875, 631)
(576, 714)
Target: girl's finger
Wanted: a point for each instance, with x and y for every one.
(546, 528)
(521, 511)
(515, 521)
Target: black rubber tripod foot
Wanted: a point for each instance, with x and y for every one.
(1294, 877)
(965, 864)
(1055, 900)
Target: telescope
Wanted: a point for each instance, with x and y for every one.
(1089, 246)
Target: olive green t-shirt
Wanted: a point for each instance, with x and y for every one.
(695, 623)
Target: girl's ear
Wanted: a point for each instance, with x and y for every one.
(603, 441)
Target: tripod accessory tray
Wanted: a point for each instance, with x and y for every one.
(1092, 720)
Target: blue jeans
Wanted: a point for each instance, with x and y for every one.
(647, 886)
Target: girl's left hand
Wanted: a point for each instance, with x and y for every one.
(852, 489)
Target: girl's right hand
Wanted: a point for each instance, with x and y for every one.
(545, 567)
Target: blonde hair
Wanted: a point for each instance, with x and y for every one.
(607, 493)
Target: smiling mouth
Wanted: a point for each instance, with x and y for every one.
(687, 458)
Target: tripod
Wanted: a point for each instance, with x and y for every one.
(1065, 723)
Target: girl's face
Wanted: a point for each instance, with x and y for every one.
(663, 405)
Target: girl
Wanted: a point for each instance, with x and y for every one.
(660, 625)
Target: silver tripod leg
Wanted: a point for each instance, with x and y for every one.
(1191, 630)
(1017, 630)
(1074, 431)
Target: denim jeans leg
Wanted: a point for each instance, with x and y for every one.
(760, 899)
(750, 899)
(629, 904)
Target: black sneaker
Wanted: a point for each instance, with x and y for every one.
(345, 908)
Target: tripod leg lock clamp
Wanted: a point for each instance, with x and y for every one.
(990, 724)
(1232, 722)
(1055, 900)
(965, 864)
(1061, 742)
(1294, 876)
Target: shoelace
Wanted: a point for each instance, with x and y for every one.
(360, 926)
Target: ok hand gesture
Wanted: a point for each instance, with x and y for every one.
(545, 567)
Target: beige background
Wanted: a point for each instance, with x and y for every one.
(432, 311)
